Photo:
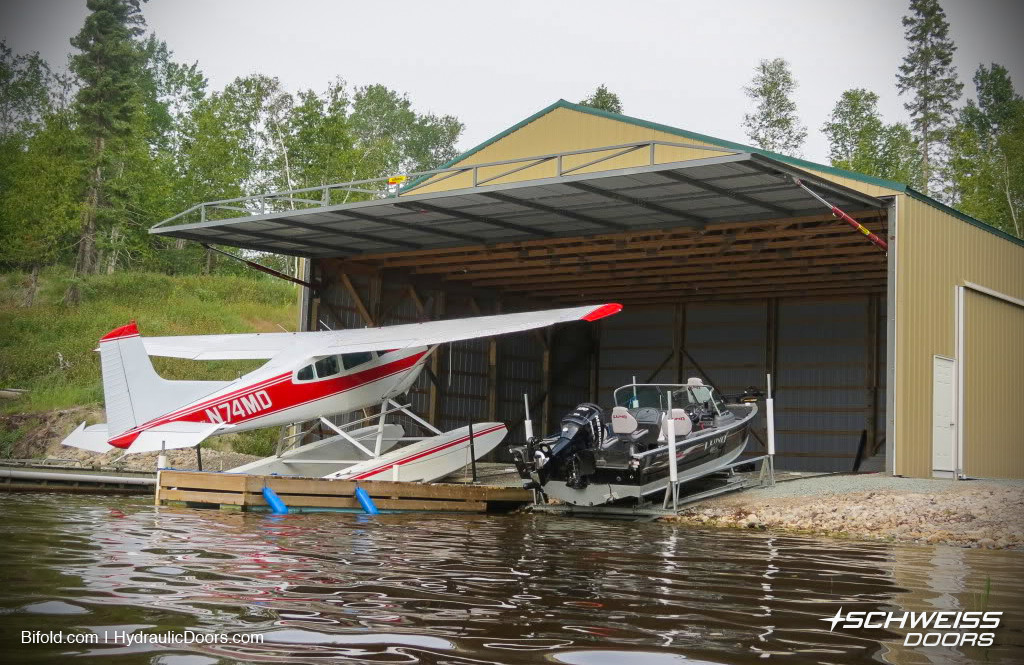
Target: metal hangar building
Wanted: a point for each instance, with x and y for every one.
(726, 268)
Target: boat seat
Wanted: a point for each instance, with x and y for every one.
(623, 421)
(683, 425)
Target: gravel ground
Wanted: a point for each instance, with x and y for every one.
(816, 485)
(975, 513)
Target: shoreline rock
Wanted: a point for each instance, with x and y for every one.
(962, 514)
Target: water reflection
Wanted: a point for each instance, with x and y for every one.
(470, 589)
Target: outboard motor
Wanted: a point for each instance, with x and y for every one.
(571, 455)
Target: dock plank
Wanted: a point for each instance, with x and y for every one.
(244, 490)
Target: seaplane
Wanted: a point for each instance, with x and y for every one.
(308, 376)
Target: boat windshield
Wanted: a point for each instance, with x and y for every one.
(639, 396)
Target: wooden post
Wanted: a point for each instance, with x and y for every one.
(435, 366)
(492, 363)
(872, 348)
(546, 374)
(679, 340)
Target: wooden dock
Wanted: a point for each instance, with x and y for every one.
(237, 491)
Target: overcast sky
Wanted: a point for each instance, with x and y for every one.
(494, 63)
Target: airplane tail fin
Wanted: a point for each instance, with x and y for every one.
(135, 394)
(130, 383)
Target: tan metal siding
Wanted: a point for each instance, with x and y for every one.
(936, 252)
(564, 130)
(993, 365)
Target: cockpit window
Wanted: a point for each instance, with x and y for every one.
(351, 360)
(326, 367)
(329, 366)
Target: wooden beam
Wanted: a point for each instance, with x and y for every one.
(511, 249)
(360, 307)
(621, 248)
(713, 282)
(825, 246)
(631, 295)
(696, 273)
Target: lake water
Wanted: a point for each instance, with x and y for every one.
(436, 588)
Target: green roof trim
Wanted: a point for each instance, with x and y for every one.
(732, 145)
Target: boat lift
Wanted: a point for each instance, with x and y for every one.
(723, 481)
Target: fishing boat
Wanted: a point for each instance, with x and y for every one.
(602, 456)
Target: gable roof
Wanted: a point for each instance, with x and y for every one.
(802, 163)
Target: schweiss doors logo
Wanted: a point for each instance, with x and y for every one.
(928, 629)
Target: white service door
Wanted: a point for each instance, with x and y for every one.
(943, 415)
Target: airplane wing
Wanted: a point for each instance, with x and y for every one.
(428, 333)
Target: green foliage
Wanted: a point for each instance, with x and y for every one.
(986, 165)
(860, 141)
(41, 206)
(604, 99)
(48, 348)
(108, 66)
(774, 125)
(928, 74)
(9, 437)
(25, 82)
(260, 442)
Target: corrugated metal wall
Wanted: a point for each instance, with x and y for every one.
(826, 358)
(728, 344)
(993, 368)
(826, 369)
(934, 253)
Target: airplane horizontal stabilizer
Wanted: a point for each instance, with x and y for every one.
(92, 438)
(167, 437)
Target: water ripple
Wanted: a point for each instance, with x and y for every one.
(469, 589)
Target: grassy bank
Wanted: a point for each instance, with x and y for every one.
(48, 348)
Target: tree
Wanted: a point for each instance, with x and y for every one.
(393, 138)
(25, 87)
(860, 141)
(928, 74)
(986, 165)
(108, 66)
(603, 99)
(41, 206)
(774, 125)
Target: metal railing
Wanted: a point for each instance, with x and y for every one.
(394, 186)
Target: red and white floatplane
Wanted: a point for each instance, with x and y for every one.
(307, 377)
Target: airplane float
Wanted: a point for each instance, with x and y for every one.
(307, 377)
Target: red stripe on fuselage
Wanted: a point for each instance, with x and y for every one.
(283, 394)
